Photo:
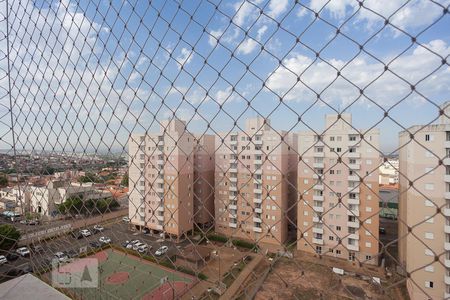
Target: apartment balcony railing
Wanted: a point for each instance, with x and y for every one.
(317, 241)
(318, 198)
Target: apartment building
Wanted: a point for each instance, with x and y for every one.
(162, 175)
(255, 183)
(337, 212)
(424, 207)
(204, 168)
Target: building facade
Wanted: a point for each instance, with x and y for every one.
(255, 183)
(424, 207)
(338, 191)
(162, 175)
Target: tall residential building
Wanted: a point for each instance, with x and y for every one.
(424, 208)
(162, 175)
(255, 183)
(204, 167)
(337, 212)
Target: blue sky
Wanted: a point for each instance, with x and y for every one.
(89, 80)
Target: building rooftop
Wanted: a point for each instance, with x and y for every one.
(29, 287)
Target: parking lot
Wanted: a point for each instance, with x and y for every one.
(117, 231)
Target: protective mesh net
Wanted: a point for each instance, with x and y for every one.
(236, 149)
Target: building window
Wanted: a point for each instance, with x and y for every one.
(429, 284)
(427, 137)
(368, 257)
(351, 256)
(338, 228)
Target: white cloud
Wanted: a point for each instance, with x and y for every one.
(415, 13)
(261, 32)
(214, 36)
(185, 57)
(320, 77)
(277, 7)
(247, 46)
(246, 11)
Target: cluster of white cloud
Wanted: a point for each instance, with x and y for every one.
(320, 77)
(402, 14)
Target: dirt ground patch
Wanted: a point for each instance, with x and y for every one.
(295, 279)
(118, 278)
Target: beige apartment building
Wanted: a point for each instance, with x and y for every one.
(337, 212)
(162, 175)
(424, 207)
(255, 183)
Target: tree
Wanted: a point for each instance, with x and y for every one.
(107, 204)
(124, 180)
(73, 205)
(9, 236)
(3, 180)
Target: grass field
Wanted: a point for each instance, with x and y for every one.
(141, 279)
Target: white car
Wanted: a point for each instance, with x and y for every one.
(23, 251)
(131, 244)
(126, 219)
(3, 260)
(137, 245)
(61, 256)
(144, 248)
(161, 250)
(85, 232)
(98, 228)
(104, 240)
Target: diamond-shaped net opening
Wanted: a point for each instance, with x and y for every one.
(254, 149)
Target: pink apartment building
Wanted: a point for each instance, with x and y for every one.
(338, 191)
(161, 179)
(424, 208)
(255, 183)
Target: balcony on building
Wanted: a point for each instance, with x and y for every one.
(258, 140)
(318, 208)
(232, 206)
(318, 152)
(318, 198)
(353, 178)
(318, 165)
(258, 210)
(354, 189)
(319, 186)
(232, 225)
(317, 238)
(257, 229)
(317, 220)
(233, 188)
(352, 245)
(258, 160)
(257, 200)
(317, 229)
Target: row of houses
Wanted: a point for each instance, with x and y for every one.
(43, 200)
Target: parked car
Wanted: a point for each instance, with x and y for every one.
(137, 245)
(33, 222)
(61, 256)
(37, 249)
(162, 250)
(3, 260)
(85, 232)
(126, 220)
(131, 244)
(98, 228)
(71, 253)
(144, 248)
(76, 235)
(95, 244)
(12, 256)
(125, 243)
(23, 251)
(104, 240)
